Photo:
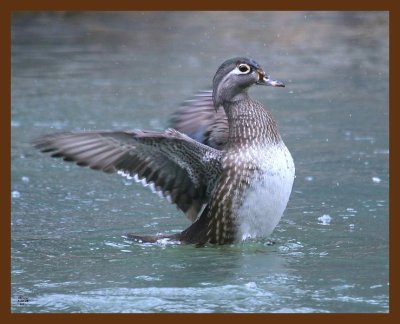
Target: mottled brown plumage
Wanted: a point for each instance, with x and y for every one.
(250, 126)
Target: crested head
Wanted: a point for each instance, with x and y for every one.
(235, 76)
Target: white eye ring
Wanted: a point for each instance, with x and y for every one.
(243, 68)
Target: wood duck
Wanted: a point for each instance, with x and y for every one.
(223, 162)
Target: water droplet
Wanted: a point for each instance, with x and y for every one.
(15, 194)
(376, 179)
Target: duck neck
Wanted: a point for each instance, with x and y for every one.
(250, 124)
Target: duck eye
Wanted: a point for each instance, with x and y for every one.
(244, 68)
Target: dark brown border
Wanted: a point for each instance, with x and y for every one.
(5, 19)
(5, 167)
(64, 5)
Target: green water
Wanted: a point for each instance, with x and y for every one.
(87, 71)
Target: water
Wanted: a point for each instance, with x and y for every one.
(81, 71)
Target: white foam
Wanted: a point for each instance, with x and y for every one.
(325, 219)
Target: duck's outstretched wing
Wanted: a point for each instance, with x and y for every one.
(173, 164)
(198, 119)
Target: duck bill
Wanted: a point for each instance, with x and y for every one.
(265, 80)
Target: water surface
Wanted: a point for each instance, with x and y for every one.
(88, 71)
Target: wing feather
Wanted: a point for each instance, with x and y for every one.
(172, 162)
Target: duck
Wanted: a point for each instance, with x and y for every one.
(222, 161)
